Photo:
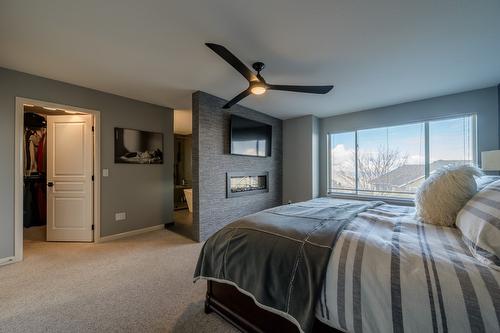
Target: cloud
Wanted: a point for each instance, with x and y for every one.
(341, 154)
(416, 159)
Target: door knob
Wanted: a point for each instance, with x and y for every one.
(50, 184)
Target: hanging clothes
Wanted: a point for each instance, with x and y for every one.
(27, 156)
(40, 153)
(33, 142)
(35, 184)
(41, 201)
(35, 153)
(29, 204)
(35, 201)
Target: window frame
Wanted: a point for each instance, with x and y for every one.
(392, 199)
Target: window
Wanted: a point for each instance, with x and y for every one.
(393, 161)
(342, 165)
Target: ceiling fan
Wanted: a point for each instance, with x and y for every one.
(256, 83)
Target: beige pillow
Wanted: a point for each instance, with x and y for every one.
(441, 196)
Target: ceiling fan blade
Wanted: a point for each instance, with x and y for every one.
(260, 78)
(233, 61)
(238, 98)
(301, 89)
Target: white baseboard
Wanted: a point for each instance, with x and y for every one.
(8, 260)
(131, 233)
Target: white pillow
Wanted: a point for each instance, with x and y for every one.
(441, 196)
(479, 221)
(484, 181)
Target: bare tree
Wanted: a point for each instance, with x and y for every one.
(371, 166)
(376, 165)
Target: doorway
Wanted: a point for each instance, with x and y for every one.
(183, 193)
(57, 174)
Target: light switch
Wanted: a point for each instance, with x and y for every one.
(120, 216)
(105, 172)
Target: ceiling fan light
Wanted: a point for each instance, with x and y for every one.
(258, 90)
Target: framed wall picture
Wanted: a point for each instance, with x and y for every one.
(138, 147)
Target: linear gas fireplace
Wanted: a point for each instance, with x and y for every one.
(246, 183)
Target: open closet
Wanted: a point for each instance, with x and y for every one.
(35, 170)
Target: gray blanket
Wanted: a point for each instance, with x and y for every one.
(279, 256)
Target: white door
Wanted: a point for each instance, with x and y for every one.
(69, 178)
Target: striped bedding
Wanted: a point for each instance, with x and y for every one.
(479, 222)
(390, 273)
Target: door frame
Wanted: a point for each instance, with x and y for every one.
(19, 172)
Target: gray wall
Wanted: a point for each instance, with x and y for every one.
(316, 126)
(145, 193)
(211, 162)
(483, 102)
(300, 158)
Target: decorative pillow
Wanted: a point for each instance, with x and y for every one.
(484, 181)
(441, 196)
(479, 221)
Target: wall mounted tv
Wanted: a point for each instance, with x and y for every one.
(250, 137)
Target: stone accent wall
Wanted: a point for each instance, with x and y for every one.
(211, 162)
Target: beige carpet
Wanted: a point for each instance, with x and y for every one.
(138, 284)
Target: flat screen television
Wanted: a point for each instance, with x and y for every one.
(250, 137)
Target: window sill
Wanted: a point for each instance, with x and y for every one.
(389, 200)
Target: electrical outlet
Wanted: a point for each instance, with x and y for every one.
(120, 216)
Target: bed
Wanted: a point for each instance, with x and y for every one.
(371, 268)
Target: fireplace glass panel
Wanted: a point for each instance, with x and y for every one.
(242, 184)
(248, 183)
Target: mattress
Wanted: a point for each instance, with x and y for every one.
(390, 273)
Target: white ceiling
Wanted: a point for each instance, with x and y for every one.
(376, 52)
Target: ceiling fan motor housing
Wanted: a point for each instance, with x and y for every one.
(258, 66)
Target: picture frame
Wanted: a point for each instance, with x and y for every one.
(134, 146)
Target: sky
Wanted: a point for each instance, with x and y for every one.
(450, 139)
